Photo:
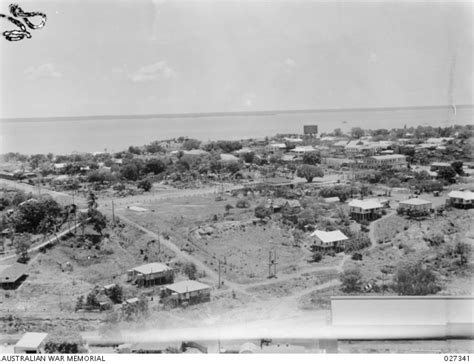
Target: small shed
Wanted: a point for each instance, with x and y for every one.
(11, 276)
(31, 343)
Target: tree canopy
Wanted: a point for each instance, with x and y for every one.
(309, 172)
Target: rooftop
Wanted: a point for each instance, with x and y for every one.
(389, 157)
(332, 199)
(416, 201)
(228, 157)
(31, 340)
(187, 286)
(152, 268)
(365, 204)
(329, 236)
(465, 195)
(11, 273)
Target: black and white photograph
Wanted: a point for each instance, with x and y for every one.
(236, 177)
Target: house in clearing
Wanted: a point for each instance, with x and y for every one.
(416, 204)
(329, 240)
(11, 276)
(151, 274)
(31, 343)
(461, 199)
(188, 292)
(364, 210)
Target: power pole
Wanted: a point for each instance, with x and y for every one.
(113, 213)
(272, 263)
(219, 284)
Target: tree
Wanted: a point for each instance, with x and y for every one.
(116, 294)
(447, 174)
(132, 169)
(249, 157)
(22, 244)
(98, 221)
(191, 144)
(190, 270)
(64, 342)
(351, 280)
(457, 166)
(413, 279)
(312, 158)
(91, 299)
(262, 212)
(79, 302)
(357, 132)
(30, 215)
(464, 250)
(306, 217)
(317, 257)
(309, 172)
(82, 220)
(91, 203)
(154, 147)
(338, 132)
(145, 185)
(134, 150)
(155, 166)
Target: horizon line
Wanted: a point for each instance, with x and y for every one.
(221, 113)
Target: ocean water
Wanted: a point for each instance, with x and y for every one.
(97, 134)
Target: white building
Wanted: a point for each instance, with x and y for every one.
(461, 199)
(329, 240)
(416, 204)
(365, 209)
(31, 343)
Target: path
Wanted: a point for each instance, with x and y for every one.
(181, 254)
(47, 242)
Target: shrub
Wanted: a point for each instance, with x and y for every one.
(190, 270)
(351, 280)
(415, 280)
(357, 256)
(317, 257)
(242, 204)
(66, 342)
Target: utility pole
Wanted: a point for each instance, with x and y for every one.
(219, 284)
(272, 263)
(113, 213)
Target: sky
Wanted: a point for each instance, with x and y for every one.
(144, 57)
